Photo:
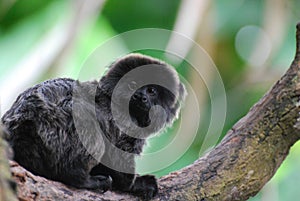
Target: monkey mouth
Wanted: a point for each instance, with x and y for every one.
(139, 106)
(141, 121)
(142, 107)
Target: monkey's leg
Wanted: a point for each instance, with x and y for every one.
(80, 178)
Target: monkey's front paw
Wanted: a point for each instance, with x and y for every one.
(103, 183)
(145, 187)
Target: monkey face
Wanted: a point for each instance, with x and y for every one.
(141, 102)
(144, 98)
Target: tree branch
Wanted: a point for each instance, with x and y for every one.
(236, 169)
(6, 184)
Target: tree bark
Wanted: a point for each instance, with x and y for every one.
(236, 169)
(7, 193)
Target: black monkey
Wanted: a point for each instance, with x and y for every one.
(87, 134)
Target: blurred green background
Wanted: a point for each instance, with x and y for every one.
(251, 42)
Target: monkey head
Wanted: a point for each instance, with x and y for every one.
(145, 91)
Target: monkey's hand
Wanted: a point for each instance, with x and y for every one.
(145, 187)
(98, 182)
(103, 183)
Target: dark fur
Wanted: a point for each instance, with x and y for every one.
(45, 138)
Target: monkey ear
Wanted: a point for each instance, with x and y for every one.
(106, 85)
(182, 92)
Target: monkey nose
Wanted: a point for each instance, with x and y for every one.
(140, 97)
(144, 99)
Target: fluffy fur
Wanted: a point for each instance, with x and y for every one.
(75, 139)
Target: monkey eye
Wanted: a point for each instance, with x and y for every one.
(151, 91)
(132, 85)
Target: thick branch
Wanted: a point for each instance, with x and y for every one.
(236, 169)
(250, 153)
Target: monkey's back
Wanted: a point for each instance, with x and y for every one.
(38, 102)
(41, 129)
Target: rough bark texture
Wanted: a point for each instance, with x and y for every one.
(236, 169)
(7, 192)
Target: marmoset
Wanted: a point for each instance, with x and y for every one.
(87, 134)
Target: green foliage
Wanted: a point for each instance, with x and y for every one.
(21, 30)
(134, 14)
